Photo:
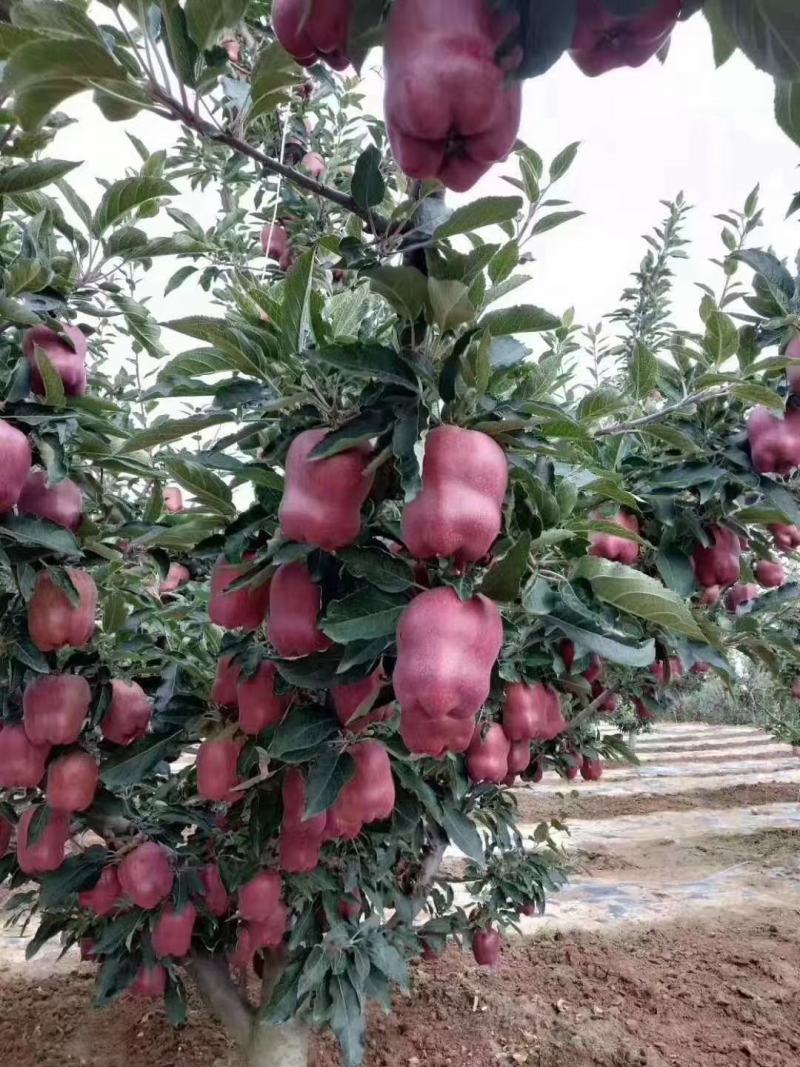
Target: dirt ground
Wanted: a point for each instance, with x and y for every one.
(710, 988)
(538, 807)
(719, 993)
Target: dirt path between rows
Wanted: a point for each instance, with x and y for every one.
(539, 807)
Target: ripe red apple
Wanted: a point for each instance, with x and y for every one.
(770, 574)
(102, 898)
(72, 781)
(55, 707)
(604, 41)
(146, 876)
(774, 441)
(47, 854)
(67, 353)
(235, 609)
(6, 830)
(259, 897)
(172, 931)
(353, 702)
(15, 464)
(275, 242)
(215, 895)
(719, 564)
(295, 603)
(741, 594)
(151, 982)
(786, 537)
(217, 774)
(177, 576)
(322, 498)
(54, 622)
(128, 715)
(532, 713)
(61, 503)
(259, 705)
(616, 549)
(22, 763)
(591, 770)
(487, 755)
(486, 947)
(458, 513)
(314, 164)
(225, 690)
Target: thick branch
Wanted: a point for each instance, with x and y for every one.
(185, 115)
(216, 987)
(657, 416)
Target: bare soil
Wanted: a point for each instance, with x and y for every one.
(721, 994)
(573, 805)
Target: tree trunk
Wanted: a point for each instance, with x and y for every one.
(279, 1046)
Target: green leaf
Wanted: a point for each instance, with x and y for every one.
(55, 18)
(488, 211)
(327, 777)
(30, 531)
(370, 361)
(176, 1005)
(142, 326)
(787, 108)
(768, 32)
(520, 319)
(365, 614)
(450, 303)
(753, 393)
(405, 288)
(348, 1019)
(274, 75)
(640, 595)
(74, 875)
(675, 568)
(16, 312)
(380, 569)
(206, 487)
(130, 766)
(504, 579)
(171, 430)
(24, 177)
(115, 613)
(555, 218)
(296, 296)
(127, 195)
(722, 337)
(643, 371)
(181, 50)
(563, 161)
(367, 186)
(722, 37)
(462, 833)
(53, 385)
(303, 733)
(612, 647)
(207, 19)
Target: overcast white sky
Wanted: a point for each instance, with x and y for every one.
(645, 135)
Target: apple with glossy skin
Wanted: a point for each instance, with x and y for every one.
(720, 563)
(770, 574)
(774, 441)
(368, 797)
(295, 604)
(616, 549)
(173, 930)
(47, 855)
(22, 763)
(300, 838)
(173, 500)
(225, 690)
(217, 769)
(353, 703)
(451, 110)
(55, 708)
(72, 781)
(54, 622)
(311, 30)
(61, 503)
(236, 609)
(103, 897)
(259, 705)
(487, 755)
(128, 715)
(146, 876)
(458, 513)
(604, 41)
(446, 650)
(532, 713)
(215, 895)
(322, 498)
(151, 982)
(15, 464)
(259, 897)
(65, 351)
(486, 947)
(591, 770)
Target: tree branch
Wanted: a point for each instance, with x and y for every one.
(657, 416)
(179, 112)
(216, 987)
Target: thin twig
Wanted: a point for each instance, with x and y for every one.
(657, 416)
